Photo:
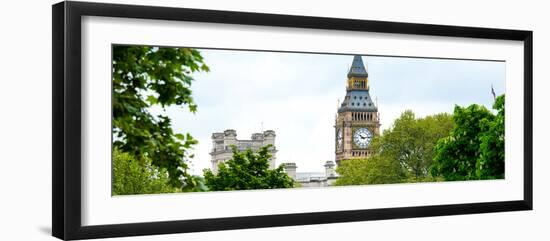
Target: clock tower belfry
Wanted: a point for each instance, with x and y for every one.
(357, 120)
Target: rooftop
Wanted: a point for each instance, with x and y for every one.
(357, 68)
(358, 100)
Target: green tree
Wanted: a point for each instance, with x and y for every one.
(247, 170)
(131, 176)
(145, 76)
(373, 170)
(403, 153)
(490, 164)
(475, 147)
(411, 141)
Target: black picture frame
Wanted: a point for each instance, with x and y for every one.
(66, 127)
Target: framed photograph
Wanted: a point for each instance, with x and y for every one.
(171, 120)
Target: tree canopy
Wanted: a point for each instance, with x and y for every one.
(490, 164)
(475, 147)
(131, 176)
(411, 141)
(143, 77)
(403, 153)
(374, 170)
(247, 170)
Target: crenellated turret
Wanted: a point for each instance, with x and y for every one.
(223, 141)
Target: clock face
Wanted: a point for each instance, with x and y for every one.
(362, 137)
(339, 138)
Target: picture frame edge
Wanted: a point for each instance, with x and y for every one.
(66, 125)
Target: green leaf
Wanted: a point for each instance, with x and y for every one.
(180, 136)
(152, 100)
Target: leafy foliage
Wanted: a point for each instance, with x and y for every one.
(490, 164)
(145, 76)
(131, 176)
(402, 153)
(374, 170)
(411, 141)
(247, 170)
(475, 147)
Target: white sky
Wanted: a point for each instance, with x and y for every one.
(296, 95)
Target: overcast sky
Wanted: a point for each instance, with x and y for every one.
(296, 95)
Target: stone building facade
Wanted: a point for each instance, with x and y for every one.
(312, 179)
(223, 141)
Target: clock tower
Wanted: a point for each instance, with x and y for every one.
(357, 120)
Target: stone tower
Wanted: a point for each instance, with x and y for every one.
(222, 143)
(357, 120)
